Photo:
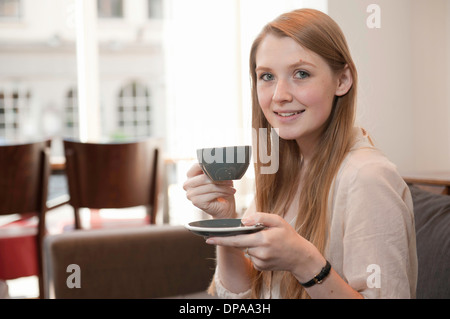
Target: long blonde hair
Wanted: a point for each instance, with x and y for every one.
(317, 32)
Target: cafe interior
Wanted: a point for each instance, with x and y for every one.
(104, 103)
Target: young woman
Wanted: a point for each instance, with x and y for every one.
(339, 220)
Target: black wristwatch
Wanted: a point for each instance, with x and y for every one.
(319, 277)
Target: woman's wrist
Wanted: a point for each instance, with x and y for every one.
(310, 266)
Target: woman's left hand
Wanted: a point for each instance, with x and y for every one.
(277, 247)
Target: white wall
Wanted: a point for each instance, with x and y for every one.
(403, 69)
(431, 83)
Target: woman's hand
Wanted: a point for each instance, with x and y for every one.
(214, 198)
(278, 247)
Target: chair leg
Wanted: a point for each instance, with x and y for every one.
(41, 285)
(77, 218)
(151, 215)
(40, 256)
(42, 232)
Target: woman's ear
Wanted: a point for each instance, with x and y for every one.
(345, 81)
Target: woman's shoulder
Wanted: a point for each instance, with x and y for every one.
(367, 158)
(366, 163)
(367, 177)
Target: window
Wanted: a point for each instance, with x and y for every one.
(10, 9)
(14, 105)
(155, 10)
(71, 114)
(110, 8)
(134, 116)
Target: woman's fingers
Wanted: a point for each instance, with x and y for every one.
(201, 180)
(194, 170)
(198, 187)
(239, 241)
(196, 178)
(215, 198)
(268, 220)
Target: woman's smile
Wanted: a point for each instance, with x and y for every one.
(289, 115)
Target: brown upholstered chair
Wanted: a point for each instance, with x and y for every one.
(153, 261)
(114, 175)
(24, 174)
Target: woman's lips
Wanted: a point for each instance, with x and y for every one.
(289, 115)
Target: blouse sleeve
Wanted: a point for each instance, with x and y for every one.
(224, 293)
(219, 288)
(379, 248)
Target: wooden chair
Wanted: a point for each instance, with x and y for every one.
(114, 175)
(24, 174)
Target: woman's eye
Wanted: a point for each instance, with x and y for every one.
(301, 74)
(266, 77)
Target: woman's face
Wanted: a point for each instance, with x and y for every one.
(295, 88)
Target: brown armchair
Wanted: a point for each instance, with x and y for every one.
(152, 261)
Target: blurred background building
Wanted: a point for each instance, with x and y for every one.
(38, 69)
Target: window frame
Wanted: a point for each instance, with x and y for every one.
(100, 15)
(18, 17)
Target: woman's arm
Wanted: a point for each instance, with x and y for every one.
(332, 286)
(279, 247)
(217, 200)
(234, 269)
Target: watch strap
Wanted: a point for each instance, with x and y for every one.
(318, 279)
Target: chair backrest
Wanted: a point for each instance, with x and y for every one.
(24, 173)
(113, 175)
(155, 261)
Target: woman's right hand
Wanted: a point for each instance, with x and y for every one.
(214, 198)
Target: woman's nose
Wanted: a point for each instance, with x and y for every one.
(282, 92)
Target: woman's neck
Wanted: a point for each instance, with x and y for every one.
(307, 151)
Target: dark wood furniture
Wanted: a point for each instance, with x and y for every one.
(114, 175)
(153, 261)
(431, 200)
(437, 182)
(24, 173)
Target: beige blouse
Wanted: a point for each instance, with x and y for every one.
(372, 243)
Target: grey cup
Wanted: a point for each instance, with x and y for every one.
(224, 163)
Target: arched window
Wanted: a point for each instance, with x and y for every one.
(134, 116)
